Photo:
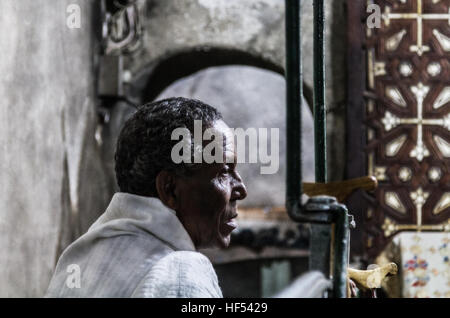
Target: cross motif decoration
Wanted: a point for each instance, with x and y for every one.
(419, 16)
(406, 121)
(419, 196)
(391, 121)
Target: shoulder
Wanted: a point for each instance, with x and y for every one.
(188, 259)
(185, 266)
(180, 274)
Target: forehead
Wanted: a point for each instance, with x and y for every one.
(220, 128)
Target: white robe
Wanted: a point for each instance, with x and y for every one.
(137, 248)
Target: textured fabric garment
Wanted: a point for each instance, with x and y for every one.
(425, 264)
(423, 259)
(137, 248)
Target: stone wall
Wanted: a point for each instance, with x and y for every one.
(254, 27)
(50, 177)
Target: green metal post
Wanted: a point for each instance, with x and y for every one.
(294, 93)
(320, 126)
(341, 252)
(319, 211)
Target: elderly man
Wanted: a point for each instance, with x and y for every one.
(145, 244)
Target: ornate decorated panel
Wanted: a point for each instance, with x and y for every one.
(402, 124)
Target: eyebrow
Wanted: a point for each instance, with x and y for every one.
(231, 159)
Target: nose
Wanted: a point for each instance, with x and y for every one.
(239, 189)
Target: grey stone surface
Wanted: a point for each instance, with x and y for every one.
(50, 175)
(251, 26)
(255, 27)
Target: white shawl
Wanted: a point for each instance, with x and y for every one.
(137, 248)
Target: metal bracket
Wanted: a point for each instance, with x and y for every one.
(329, 246)
(121, 35)
(121, 28)
(110, 83)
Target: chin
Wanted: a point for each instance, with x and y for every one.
(224, 242)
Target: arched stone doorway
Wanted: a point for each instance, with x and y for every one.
(182, 70)
(250, 97)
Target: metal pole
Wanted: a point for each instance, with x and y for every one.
(320, 126)
(294, 93)
(340, 251)
(321, 235)
(318, 210)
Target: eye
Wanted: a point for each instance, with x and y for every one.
(225, 170)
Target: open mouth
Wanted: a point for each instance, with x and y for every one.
(231, 224)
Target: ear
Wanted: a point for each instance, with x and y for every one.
(165, 186)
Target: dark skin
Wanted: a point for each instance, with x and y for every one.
(206, 201)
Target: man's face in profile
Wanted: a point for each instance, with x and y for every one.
(208, 198)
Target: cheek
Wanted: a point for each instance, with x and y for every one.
(208, 203)
(215, 198)
(222, 192)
